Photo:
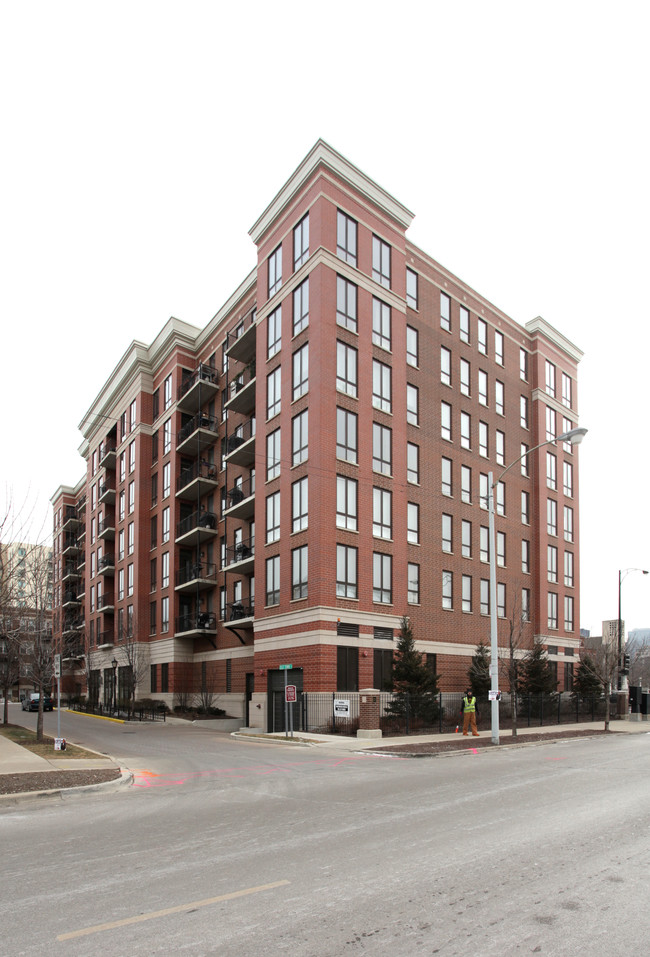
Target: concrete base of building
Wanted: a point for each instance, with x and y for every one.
(369, 733)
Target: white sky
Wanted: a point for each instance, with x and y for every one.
(141, 141)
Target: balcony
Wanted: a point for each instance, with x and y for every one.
(196, 528)
(81, 563)
(70, 518)
(106, 565)
(107, 491)
(81, 591)
(70, 599)
(195, 625)
(81, 534)
(240, 557)
(197, 434)
(242, 392)
(71, 624)
(81, 505)
(108, 456)
(240, 615)
(197, 389)
(106, 528)
(70, 572)
(197, 481)
(241, 343)
(73, 650)
(196, 576)
(105, 639)
(70, 544)
(106, 604)
(240, 501)
(240, 445)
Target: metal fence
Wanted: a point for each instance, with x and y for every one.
(441, 713)
(138, 712)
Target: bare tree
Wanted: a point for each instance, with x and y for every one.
(135, 654)
(602, 663)
(37, 624)
(519, 641)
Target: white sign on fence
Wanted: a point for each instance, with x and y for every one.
(341, 708)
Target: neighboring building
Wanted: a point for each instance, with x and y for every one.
(25, 616)
(283, 485)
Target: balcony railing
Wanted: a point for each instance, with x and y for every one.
(70, 543)
(105, 638)
(108, 456)
(199, 479)
(106, 527)
(196, 574)
(242, 391)
(107, 491)
(70, 517)
(238, 610)
(240, 444)
(240, 342)
(106, 603)
(106, 565)
(197, 527)
(198, 434)
(240, 552)
(197, 388)
(70, 598)
(201, 622)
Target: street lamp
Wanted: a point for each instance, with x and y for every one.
(622, 683)
(114, 664)
(575, 437)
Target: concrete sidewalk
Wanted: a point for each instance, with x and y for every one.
(14, 759)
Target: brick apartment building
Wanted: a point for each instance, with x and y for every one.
(283, 485)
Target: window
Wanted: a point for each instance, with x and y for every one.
(154, 531)
(524, 459)
(299, 573)
(346, 369)
(523, 365)
(120, 546)
(567, 425)
(165, 525)
(446, 476)
(501, 600)
(445, 366)
(301, 242)
(482, 336)
(122, 425)
(525, 604)
(300, 437)
(485, 596)
(152, 631)
(274, 333)
(153, 566)
(132, 408)
(346, 571)
(273, 455)
(466, 587)
(129, 580)
(523, 411)
(120, 584)
(123, 460)
(413, 583)
(301, 307)
(465, 430)
(346, 503)
(275, 271)
(413, 523)
(413, 463)
(484, 544)
(499, 397)
(465, 377)
(445, 311)
(464, 324)
(446, 528)
(346, 238)
(131, 497)
(483, 490)
(551, 563)
(272, 518)
(445, 420)
(568, 479)
(447, 590)
(501, 549)
(552, 610)
(411, 288)
(500, 495)
(167, 436)
(568, 569)
(550, 424)
(482, 387)
(498, 347)
(525, 508)
(132, 456)
(300, 505)
(346, 304)
(525, 556)
(500, 447)
(164, 624)
(483, 448)
(382, 522)
(347, 669)
(301, 371)
(166, 482)
(412, 346)
(566, 390)
(155, 404)
(568, 523)
(381, 261)
(550, 377)
(273, 393)
(164, 579)
(381, 324)
(273, 580)
(346, 435)
(382, 578)
(382, 455)
(551, 471)
(465, 483)
(551, 516)
(466, 538)
(131, 539)
(568, 613)
(412, 404)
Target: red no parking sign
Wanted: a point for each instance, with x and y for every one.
(290, 693)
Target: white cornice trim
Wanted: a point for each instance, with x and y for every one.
(539, 326)
(323, 155)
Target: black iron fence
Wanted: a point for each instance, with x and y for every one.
(338, 712)
(126, 711)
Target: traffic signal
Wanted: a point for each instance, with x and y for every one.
(625, 664)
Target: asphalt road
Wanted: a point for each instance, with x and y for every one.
(237, 848)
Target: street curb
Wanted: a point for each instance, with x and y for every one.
(477, 751)
(23, 797)
(99, 717)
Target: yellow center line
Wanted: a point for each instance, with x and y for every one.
(152, 915)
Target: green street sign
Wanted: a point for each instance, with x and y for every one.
(283, 667)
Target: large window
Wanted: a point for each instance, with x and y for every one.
(301, 242)
(300, 505)
(301, 307)
(445, 311)
(445, 421)
(346, 571)
(412, 404)
(381, 385)
(275, 271)
(381, 324)
(382, 578)
(568, 569)
(346, 304)
(465, 430)
(552, 563)
(568, 613)
(413, 523)
(552, 610)
(273, 517)
(382, 507)
(301, 371)
(466, 538)
(568, 523)
(551, 516)
(411, 288)
(273, 580)
(447, 540)
(445, 366)
(300, 437)
(551, 471)
(382, 455)
(447, 589)
(381, 261)
(482, 336)
(446, 477)
(273, 455)
(346, 238)
(273, 393)
(413, 583)
(346, 503)
(346, 435)
(465, 484)
(413, 463)
(464, 324)
(346, 368)
(412, 346)
(299, 572)
(467, 593)
(274, 332)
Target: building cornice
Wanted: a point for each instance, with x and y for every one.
(323, 156)
(539, 326)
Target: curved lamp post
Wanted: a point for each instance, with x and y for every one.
(575, 437)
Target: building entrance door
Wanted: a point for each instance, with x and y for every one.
(276, 699)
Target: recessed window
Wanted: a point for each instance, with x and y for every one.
(346, 435)
(273, 393)
(465, 430)
(301, 242)
(382, 455)
(273, 580)
(566, 390)
(551, 471)
(412, 404)
(550, 424)
(445, 421)
(467, 593)
(465, 483)
(552, 610)
(273, 517)
(413, 523)
(445, 311)
(567, 469)
(300, 437)
(551, 516)
(523, 412)
(382, 578)
(466, 538)
(568, 523)
(499, 399)
(483, 449)
(525, 556)
(301, 372)
(482, 336)
(413, 583)
(301, 307)
(447, 590)
(275, 271)
(445, 366)
(550, 377)
(551, 567)
(523, 365)
(447, 538)
(568, 569)
(411, 288)
(413, 463)
(346, 503)
(568, 613)
(465, 377)
(346, 571)
(299, 505)
(498, 347)
(412, 346)
(484, 544)
(500, 447)
(346, 238)
(464, 324)
(381, 324)
(273, 455)
(299, 564)
(482, 387)
(446, 476)
(382, 512)
(381, 386)
(381, 261)
(274, 333)
(346, 304)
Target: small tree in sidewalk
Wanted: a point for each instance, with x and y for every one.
(415, 686)
(478, 673)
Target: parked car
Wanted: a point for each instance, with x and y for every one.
(30, 702)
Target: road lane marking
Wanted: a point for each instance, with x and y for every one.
(152, 915)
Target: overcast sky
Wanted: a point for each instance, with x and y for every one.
(142, 140)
